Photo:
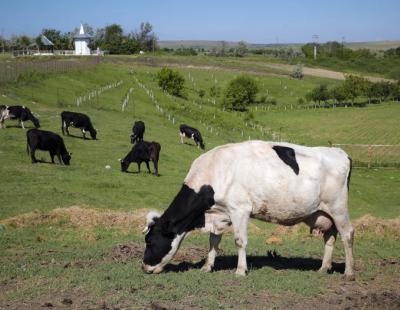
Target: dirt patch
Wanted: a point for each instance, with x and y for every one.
(366, 223)
(82, 217)
(369, 223)
(135, 250)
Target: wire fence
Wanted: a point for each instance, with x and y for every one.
(12, 70)
(372, 155)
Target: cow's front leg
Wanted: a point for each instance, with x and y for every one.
(33, 158)
(138, 165)
(84, 134)
(239, 222)
(21, 123)
(214, 242)
(52, 157)
(148, 167)
(181, 138)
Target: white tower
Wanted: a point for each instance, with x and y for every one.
(81, 41)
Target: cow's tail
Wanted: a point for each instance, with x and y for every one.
(349, 175)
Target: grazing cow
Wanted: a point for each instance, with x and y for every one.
(142, 152)
(46, 141)
(275, 182)
(19, 113)
(137, 132)
(191, 133)
(77, 120)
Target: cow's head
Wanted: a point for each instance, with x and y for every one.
(35, 122)
(66, 158)
(124, 165)
(161, 243)
(93, 133)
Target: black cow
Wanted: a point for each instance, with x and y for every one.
(17, 112)
(191, 133)
(77, 120)
(137, 132)
(37, 139)
(142, 151)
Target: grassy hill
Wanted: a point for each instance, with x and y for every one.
(90, 255)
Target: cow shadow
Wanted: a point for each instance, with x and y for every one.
(142, 172)
(255, 262)
(80, 137)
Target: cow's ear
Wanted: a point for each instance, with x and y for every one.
(150, 220)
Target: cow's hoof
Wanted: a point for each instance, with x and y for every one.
(324, 269)
(207, 268)
(241, 272)
(349, 277)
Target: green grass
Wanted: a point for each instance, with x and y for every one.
(33, 259)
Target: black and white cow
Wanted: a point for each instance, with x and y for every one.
(137, 132)
(275, 182)
(77, 120)
(191, 133)
(37, 139)
(17, 112)
(142, 151)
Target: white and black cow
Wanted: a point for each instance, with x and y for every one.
(137, 132)
(191, 133)
(275, 182)
(77, 120)
(17, 112)
(142, 151)
(37, 139)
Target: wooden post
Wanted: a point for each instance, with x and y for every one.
(369, 156)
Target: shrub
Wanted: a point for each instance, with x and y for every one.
(201, 93)
(215, 91)
(171, 81)
(297, 72)
(240, 93)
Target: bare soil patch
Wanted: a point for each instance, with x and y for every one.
(82, 217)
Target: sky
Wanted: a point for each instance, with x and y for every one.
(254, 21)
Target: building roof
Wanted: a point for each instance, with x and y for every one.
(45, 41)
(82, 34)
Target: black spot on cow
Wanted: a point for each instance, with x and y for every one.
(349, 175)
(186, 212)
(288, 156)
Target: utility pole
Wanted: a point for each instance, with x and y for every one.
(315, 38)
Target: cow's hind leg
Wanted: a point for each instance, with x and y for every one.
(148, 167)
(33, 158)
(329, 239)
(240, 221)
(214, 242)
(340, 216)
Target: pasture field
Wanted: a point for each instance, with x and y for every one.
(70, 236)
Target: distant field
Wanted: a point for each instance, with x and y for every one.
(70, 236)
(373, 45)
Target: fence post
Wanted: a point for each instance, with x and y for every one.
(369, 156)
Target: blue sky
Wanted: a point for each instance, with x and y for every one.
(254, 21)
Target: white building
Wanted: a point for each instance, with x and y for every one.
(81, 41)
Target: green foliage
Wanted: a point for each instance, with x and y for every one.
(171, 81)
(297, 72)
(215, 91)
(113, 39)
(241, 49)
(182, 51)
(240, 92)
(339, 93)
(201, 93)
(354, 86)
(318, 94)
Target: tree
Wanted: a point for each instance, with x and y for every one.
(113, 36)
(23, 42)
(171, 81)
(339, 94)
(241, 49)
(354, 86)
(60, 41)
(145, 37)
(318, 94)
(240, 92)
